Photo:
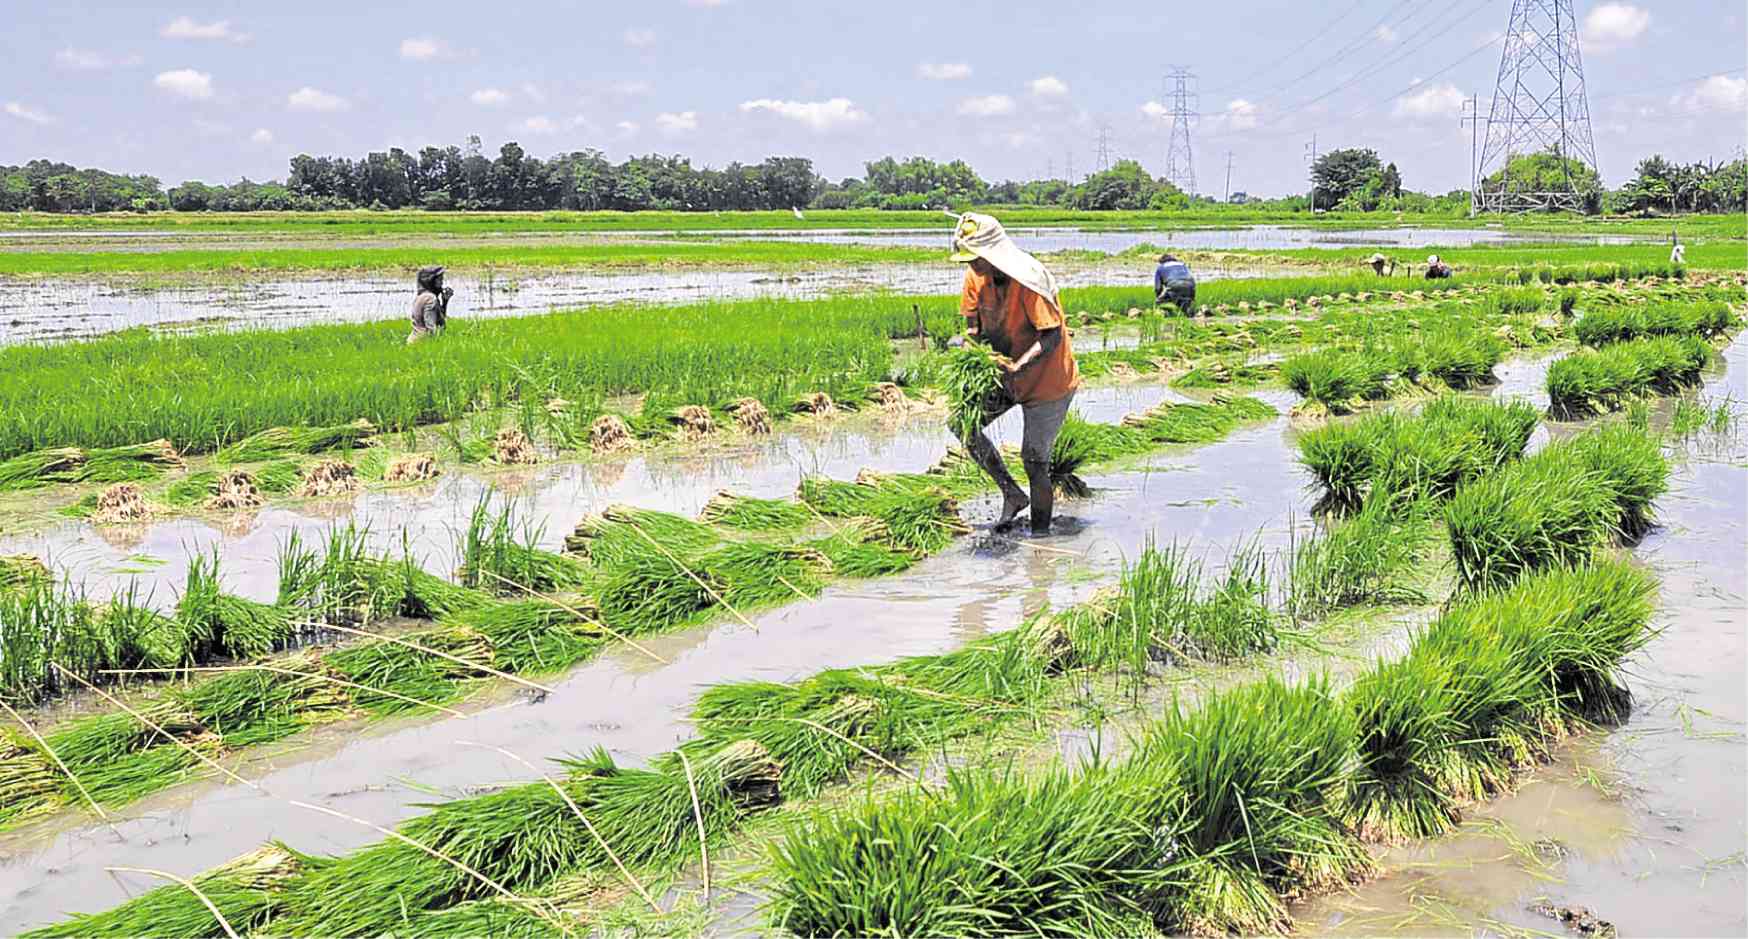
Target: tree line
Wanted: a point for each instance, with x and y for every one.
(464, 178)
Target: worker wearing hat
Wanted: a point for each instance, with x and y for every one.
(1009, 301)
(430, 305)
(1436, 268)
(1378, 260)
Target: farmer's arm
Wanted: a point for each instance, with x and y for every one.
(1047, 320)
(968, 303)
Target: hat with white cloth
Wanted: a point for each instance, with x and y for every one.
(981, 236)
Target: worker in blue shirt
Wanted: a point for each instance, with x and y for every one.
(1173, 284)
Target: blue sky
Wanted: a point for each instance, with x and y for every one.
(215, 91)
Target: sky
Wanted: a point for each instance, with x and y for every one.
(218, 91)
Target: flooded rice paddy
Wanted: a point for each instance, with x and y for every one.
(1252, 238)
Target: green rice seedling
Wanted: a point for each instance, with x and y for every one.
(860, 548)
(918, 520)
(746, 513)
(972, 375)
(21, 570)
(146, 638)
(282, 441)
(1336, 378)
(193, 489)
(1173, 422)
(1064, 854)
(1452, 441)
(1364, 559)
(1256, 765)
(227, 624)
(1511, 302)
(131, 463)
(1605, 325)
(280, 476)
(1550, 510)
(1234, 620)
(536, 636)
(1459, 356)
(622, 534)
(1632, 464)
(1144, 619)
(1504, 428)
(247, 891)
(1595, 382)
(39, 468)
(495, 559)
(754, 574)
(1225, 374)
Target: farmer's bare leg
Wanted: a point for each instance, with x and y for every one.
(1043, 422)
(984, 453)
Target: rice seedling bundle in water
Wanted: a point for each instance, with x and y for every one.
(747, 513)
(1594, 382)
(1336, 378)
(1603, 325)
(225, 623)
(621, 534)
(21, 570)
(282, 441)
(247, 892)
(1461, 357)
(1362, 559)
(972, 376)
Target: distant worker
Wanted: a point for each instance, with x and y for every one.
(1677, 251)
(1378, 262)
(1174, 284)
(1009, 301)
(431, 306)
(1437, 269)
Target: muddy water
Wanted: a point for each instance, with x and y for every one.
(1253, 238)
(1216, 496)
(1645, 825)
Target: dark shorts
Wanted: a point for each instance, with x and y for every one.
(1179, 293)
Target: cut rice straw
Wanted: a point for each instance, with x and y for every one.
(282, 671)
(577, 613)
(688, 571)
(605, 847)
(698, 816)
(53, 756)
(537, 908)
(161, 731)
(428, 651)
(198, 895)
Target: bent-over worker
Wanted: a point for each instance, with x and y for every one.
(1677, 251)
(1010, 302)
(1174, 284)
(1378, 260)
(1437, 269)
(431, 305)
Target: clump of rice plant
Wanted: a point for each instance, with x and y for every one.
(1174, 422)
(622, 533)
(1595, 382)
(1604, 325)
(920, 520)
(1458, 356)
(498, 556)
(248, 891)
(1363, 559)
(747, 513)
(1337, 378)
(222, 622)
(1634, 468)
(971, 375)
(22, 570)
(283, 441)
(132, 463)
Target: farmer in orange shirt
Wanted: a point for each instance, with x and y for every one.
(1009, 302)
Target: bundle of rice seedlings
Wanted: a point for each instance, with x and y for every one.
(1365, 559)
(747, 513)
(817, 403)
(511, 447)
(1632, 463)
(129, 464)
(535, 635)
(22, 570)
(751, 416)
(888, 396)
(496, 560)
(1550, 510)
(1461, 357)
(755, 574)
(282, 441)
(1069, 853)
(30, 782)
(692, 421)
(234, 490)
(1452, 441)
(1595, 382)
(40, 468)
(621, 533)
(972, 376)
(862, 547)
(1603, 325)
(329, 477)
(1174, 422)
(226, 623)
(1256, 766)
(649, 591)
(1337, 378)
(610, 434)
(248, 892)
(120, 503)
(411, 467)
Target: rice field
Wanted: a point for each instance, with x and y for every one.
(867, 799)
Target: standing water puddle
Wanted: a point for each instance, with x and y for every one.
(1253, 238)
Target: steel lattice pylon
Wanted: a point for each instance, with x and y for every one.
(1538, 106)
(1180, 162)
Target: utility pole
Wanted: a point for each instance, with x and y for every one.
(1104, 152)
(1068, 175)
(1180, 163)
(1311, 164)
(1539, 106)
(1228, 197)
(1472, 117)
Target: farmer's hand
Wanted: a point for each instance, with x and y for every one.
(1010, 372)
(447, 293)
(956, 342)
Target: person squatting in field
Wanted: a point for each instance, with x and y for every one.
(1436, 268)
(1009, 302)
(431, 305)
(1174, 284)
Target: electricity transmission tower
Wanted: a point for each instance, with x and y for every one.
(1538, 107)
(1181, 104)
(1104, 148)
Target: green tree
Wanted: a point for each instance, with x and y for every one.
(1341, 173)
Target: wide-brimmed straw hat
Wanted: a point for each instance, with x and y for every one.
(981, 236)
(1432, 259)
(1376, 257)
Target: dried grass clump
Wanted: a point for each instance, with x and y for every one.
(693, 421)
(511, 447)
(121, 502)
(889, 396)
(751, 416)
(235, 490)
(412, 467)
(817, 403)
(610, 434)
(329, 477)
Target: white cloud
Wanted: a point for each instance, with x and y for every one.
(671, 123)
(987, 106)
(311, 99)
(88, 60)
(1019, 140)
(184, 27)
(627, 128)
(706, 4)
(820, 116)
(539, 124)
(943, 71)
(1240, 114)
(490, 97)
(533, 93)
(186, 83)
(1614, 25)
(27, 114)
(1155, 109)
(1048, 87)
(631, 88)
(261, 137)
(1385, 33)
(1433, 101)
(638, 38)
(1717, 93)
(423, 48)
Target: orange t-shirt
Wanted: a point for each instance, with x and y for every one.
(1009, 319)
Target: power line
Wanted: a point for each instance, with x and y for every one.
(1103, 160)
(1346, 50)
(1301, 47)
